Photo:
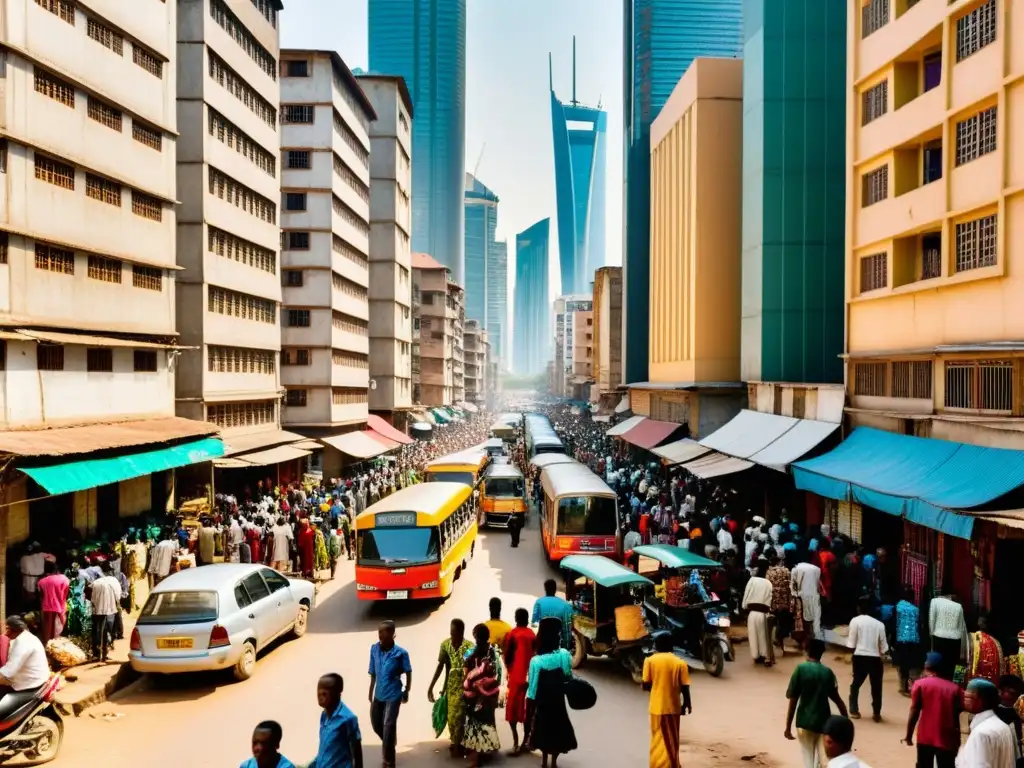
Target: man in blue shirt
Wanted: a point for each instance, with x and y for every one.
(551, 606)
(266, 745)
(388, 662)
(341, 744)
(907, 651)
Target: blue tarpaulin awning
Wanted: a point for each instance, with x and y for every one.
(922, 479)
(92, 473)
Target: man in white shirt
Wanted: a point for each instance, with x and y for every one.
(282, 539)
(838, 743)
(106, 599)
(991, 743)
(805, 581)
(867, 639)
(27, 668)
(725, 543)
(948, 630)
(161, 556)
(31, 565)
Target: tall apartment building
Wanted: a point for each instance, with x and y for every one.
(568, 310)
(496, 322)
(390, 252)
(486, 262)
(474, 339)
(433, 348)
(532, 306)
(456, 316)
(229, 290)
(325, 195)
(607, 369)
(582, 324)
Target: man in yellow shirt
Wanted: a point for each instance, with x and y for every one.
(667, 677)
(497, 627)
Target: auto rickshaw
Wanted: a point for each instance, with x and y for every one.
(681, 604)
(609, 618)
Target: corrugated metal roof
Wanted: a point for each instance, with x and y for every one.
(679, 451)
(624, 426)
(87, 438)
(793, 444)
(649, 433)
(252, 441)
(359, 445)
(272, 456)
(716, 465)
(92, 341)
(748, 432)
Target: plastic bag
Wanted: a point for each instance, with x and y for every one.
(439, 715)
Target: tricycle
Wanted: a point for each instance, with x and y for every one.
(609, 617)
(681, 604)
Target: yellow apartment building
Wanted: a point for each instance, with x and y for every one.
(935, 217)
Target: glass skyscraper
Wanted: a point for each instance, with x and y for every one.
(580, 179)
(497, 302)
(662, 37)
(424, 41)
(532, 334)
(486, 264)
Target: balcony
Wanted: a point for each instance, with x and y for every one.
(908, 21)
(917, 258)
(915, 197)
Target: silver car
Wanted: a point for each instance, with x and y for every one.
(218, 617)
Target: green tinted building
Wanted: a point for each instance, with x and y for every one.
(794, 147)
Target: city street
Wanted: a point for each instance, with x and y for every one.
(206, 721)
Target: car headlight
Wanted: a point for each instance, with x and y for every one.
(430, 585)
(723, 622)
(365, 588)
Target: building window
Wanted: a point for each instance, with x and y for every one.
(241, 90)
(299, 159)
(349, 324)
(349, 252)
(106, 270)
(349, 288)
(982, 385)
(230, 24)
(105, 114)
(347, 175)
(349, 216)
(228, 133)
(104, 190)
(874, 186)
(911, 378)
(931, 256)
(874, 16)
(347, 396)
(239, 360)
(150, 278)
(298, 318)
(239, 195)
(293, 278)
(975, 30)
(231, 247)
(976, 243)
(298, 241)
(351, 140)
(3, 247)
(298, 113)
(242, 305)
(932, 162)
(403, 122)
(55, 259)
(295, 398)
(147, 61)
(932, 66)
(869, 379)
(226, 415)
(151, 137)
(295, 357)
(147, 206)
(62, 8)
(50, 357)
(145, 361)
(55, 88)
(874, 102)
(266, 7)
(295, 68)
(3, 155)
(349, 359)
(105, 36)
(295, 201)
(99, 360)
(976, 136)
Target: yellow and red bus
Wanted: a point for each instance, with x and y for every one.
(463, 467)
(579, 513)
(502, 494)
(415, 543)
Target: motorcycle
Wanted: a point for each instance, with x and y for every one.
(32, 728)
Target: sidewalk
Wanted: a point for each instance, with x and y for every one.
(94, 682)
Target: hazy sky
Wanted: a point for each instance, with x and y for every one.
(507, 106)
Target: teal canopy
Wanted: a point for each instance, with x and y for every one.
(605, 572)
(675, 557)
(80, 475)
(924, 480)
(442, 416)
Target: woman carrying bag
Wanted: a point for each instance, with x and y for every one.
(549, 729)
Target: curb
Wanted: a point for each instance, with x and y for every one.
(125, 680)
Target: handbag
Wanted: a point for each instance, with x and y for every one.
(579, 694)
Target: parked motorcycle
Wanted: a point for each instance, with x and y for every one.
(31, 727)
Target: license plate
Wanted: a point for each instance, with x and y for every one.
(398, 594)
(173, 643)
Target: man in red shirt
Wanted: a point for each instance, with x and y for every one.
(935, 706)
(53, 591)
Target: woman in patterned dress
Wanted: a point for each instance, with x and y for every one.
(481, 686)
(450, 660)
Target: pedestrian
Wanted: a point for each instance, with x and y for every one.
(782, 599)
(480, 688)
(757, 599)
(519, 649)
(266, 747)
(991, 743)
(867, 639)
(388, 662)
(451, 659)
(207, 542)
(281, 538)
(26, 667)
(53, 591)
(906, 651)
(554, 607)
(31, 565)
(515, 527)
(495, 625)
(985, 654)
(1010, 690)
(811, 687)
(948, 631)
(234, 538)
(340, 742)
(105, 598)
(838, 743)
(806, 585)
(549, 730)
(667, 677)
(161, 557)
(935, 706)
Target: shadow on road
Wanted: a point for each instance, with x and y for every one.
(344, 612)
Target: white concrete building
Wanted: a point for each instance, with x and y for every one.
(228, 230)
(390, 247)
(325, 194)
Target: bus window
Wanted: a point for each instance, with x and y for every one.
(451, 477)
(504, 487)
(586, 516)
(387, 546)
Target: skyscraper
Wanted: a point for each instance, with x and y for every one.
(497, 302)
(653, 64)
(532, 311)
(486, 264)
(424, 41)
(580, 178)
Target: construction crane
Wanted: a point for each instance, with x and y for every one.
(476, 168)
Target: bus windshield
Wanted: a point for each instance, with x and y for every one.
(504, 487)
(586, 516)
(399, 546)
(450, 477)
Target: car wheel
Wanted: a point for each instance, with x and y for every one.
(246, 664)
(301, 621)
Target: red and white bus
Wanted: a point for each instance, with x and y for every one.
(579, 513)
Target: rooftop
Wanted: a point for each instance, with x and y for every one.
(426, 261)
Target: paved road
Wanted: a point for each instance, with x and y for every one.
(207, 720)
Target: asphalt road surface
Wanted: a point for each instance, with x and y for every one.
(207, 720)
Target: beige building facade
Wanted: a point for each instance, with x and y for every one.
(433, 348)
(607, 365)
(475, 351)
(935, 218)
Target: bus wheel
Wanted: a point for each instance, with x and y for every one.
(458, 572)
(472, 550)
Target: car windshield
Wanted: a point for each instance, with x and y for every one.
(504, 487)
(179, 608)
(465, 478)
(399, 546)
(586, 516)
